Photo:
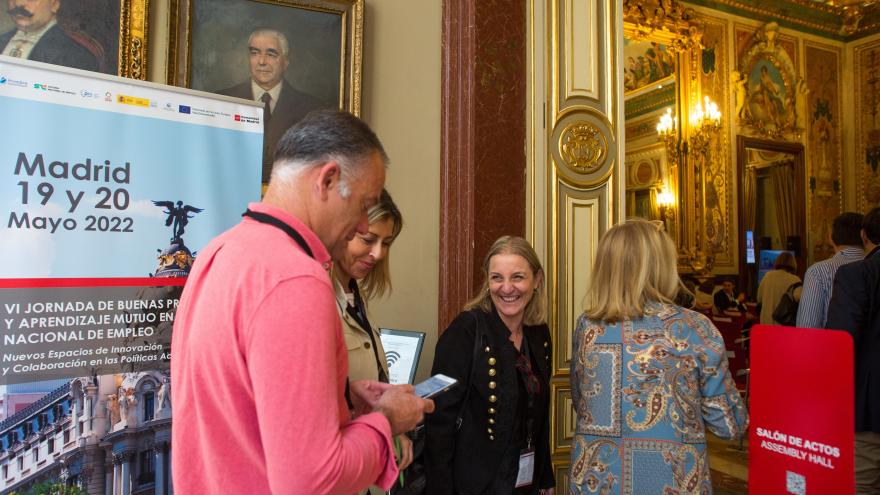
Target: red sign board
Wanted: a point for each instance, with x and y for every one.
(801, 424)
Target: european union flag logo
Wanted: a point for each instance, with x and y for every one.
(183, 108)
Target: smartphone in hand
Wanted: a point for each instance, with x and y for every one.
(434, 385)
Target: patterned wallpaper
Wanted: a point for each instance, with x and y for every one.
(867, 102)
(824, 144)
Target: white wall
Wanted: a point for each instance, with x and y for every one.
(401, 102)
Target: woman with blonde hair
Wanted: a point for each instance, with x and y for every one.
(359, 275)
(648, 377)
(490, 434)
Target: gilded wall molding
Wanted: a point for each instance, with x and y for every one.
(665, 21)
(772, 88)
(717, 179)
(866, 65)
(824, 146)
(845, 20)
(133, 31)
(576, 149)
(583, 147)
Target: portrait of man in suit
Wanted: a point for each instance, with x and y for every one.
(283, 105)
(301, 58)
(38, 36)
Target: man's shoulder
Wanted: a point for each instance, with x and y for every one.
(241, 90)
(291, 96)
(260, 248)
(820, 269)
(5, 37)
(868, 268)
(58, 47)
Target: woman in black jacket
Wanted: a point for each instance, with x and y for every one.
(491, 434)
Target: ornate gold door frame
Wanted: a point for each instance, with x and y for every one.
(574, 168)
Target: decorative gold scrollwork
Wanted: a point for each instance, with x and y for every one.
(665, 20)
(136, 53)
(583, 147)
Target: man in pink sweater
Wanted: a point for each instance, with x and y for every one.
(259, 368)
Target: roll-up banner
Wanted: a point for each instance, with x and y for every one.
(801, 403)
(109, 188)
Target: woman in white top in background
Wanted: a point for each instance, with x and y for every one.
(775, 283)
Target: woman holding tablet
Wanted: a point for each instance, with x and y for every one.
(490, 433)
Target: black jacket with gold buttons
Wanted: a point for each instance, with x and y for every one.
(465, 460)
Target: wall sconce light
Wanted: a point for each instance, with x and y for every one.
(705, 122)
(667, 129)
(665, 198)
(665, 203)
(668, 124)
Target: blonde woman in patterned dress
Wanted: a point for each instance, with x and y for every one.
(648, 377)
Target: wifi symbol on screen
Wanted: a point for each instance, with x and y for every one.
(392, 357)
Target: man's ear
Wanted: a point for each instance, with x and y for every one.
(328, 178)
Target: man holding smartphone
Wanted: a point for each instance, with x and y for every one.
(259, 368)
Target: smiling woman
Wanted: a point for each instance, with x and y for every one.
(492, 434)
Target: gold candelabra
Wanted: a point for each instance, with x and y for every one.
(695, 146)
(705, 122)
(667, 129)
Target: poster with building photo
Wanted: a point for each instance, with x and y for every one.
(108, 190)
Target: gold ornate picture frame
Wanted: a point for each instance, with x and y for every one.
(208, 49)
(108, 36)
(769, 88)
(294, 56)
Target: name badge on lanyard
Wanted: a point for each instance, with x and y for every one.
(526, 468)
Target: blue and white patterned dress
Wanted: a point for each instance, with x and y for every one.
(645, 391)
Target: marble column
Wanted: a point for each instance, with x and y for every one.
(170, 477)
(159, 466)
(116, 473)
(89, 397)
(126, 476)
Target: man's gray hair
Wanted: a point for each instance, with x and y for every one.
(278, 35)
(323, 136)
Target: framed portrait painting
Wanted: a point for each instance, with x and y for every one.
(107, 36)
(292, 56)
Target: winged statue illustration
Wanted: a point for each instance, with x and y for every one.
(178, 215)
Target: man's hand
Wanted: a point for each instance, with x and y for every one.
(406, 452)
(402, 408)
(365, 395)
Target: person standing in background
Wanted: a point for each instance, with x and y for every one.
(647, 377)
(774, 284)
(855, 307)
(819, 278)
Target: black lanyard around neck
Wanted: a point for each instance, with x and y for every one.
(358, 311)
(269, 219)
(296, 236)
